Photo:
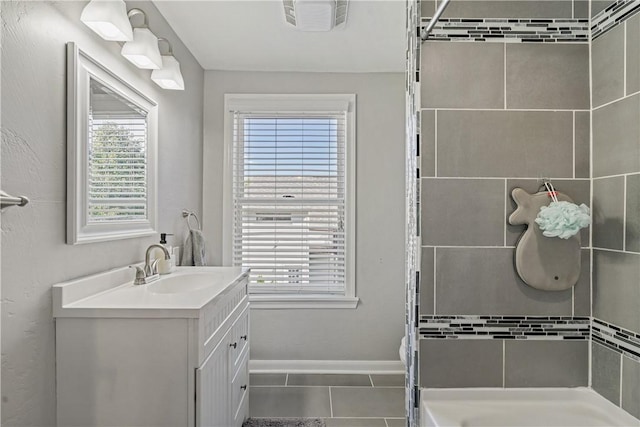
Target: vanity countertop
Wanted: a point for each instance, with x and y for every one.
(112, 293)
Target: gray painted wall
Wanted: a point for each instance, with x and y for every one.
(373, 330)
(616, 205)
(34, 253)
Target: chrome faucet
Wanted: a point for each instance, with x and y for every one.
(151, 268)
(149, 273)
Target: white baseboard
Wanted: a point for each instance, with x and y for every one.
(327, 366)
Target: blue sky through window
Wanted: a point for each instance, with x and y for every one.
(291, 146)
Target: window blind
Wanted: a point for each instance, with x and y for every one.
(117, 167)
(289, 201)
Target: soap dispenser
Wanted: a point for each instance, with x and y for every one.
(165, 266)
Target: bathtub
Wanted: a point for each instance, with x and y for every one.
(536, 407)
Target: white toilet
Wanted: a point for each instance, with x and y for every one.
(402, 351)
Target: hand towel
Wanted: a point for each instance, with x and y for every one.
(194, 251)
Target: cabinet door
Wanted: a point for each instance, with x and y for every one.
(240, 392)
(212, 388)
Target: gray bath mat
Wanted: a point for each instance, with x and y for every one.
(284, 422)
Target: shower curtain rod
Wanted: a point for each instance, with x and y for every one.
(435, 19)
(6, 200)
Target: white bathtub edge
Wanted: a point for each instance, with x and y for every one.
(531, 395)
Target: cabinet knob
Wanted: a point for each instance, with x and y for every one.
(244, 387)
(244, 337)
(234, 345)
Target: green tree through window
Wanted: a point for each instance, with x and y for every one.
(117, 169)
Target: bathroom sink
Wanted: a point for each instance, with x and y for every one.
(181, 294)
(180, 283)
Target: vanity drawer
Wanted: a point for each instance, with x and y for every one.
(217, 318)
(240, 391)
(240, 336)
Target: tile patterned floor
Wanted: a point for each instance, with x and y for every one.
(343, 400)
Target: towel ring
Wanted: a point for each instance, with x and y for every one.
(188, 214)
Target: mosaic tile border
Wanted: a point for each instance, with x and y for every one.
(613, 15)
(617, 339)
(505, 327)
(531, 328)
(510, 30)
(412, 251)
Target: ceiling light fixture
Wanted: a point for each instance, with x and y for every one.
(169, 76)
(108, 18)
(315, 15)
(143, 50)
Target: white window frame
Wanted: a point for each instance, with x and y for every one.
(296, 103)
(80, 69)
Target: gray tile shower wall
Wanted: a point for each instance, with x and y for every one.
(616, 376)
(616, 365)
(581, 149)
(461, 363)
(613, 14)
(632, 218)
(447, 83)
(615, 67)
(535, 363)
(608, 212)
(518, 21)
(547, 77)
(503, 363)
(449, 221)
(633, 54)
(496, 115)
(550, 328)
(618, 339)
(510, 9)
(606, 372)
(630, 388)
(616, 131)
(540, 31)
(616, 290)
(427, 281)
(504, 143)
(577, 9)
(476, 280)
(598, 6)
(608, 67)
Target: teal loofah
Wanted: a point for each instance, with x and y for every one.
(563, 219)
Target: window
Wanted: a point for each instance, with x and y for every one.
(291, 188)
(117, 181)
(112, 139)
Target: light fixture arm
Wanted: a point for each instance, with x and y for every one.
(162, 39)
(135, 11)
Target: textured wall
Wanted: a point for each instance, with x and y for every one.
(34, 253)
(615, 69)
(497, 116)
(373, 330)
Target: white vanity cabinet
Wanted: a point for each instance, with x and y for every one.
(222, 380)
(154, 359)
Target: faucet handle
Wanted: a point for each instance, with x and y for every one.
(154, 266)
(140, 275)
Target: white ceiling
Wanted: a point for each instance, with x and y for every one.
(252, 35)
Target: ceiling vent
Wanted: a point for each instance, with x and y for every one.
(315, 15)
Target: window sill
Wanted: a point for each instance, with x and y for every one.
(272, 302)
